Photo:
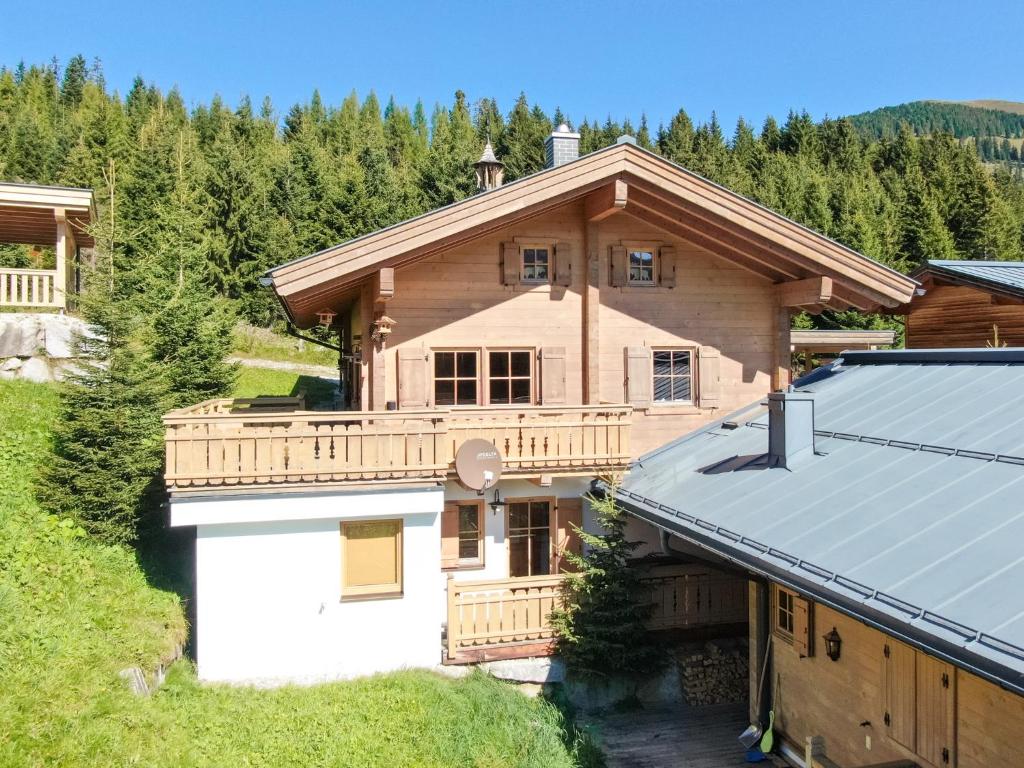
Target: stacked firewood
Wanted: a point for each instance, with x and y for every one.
(715, 672)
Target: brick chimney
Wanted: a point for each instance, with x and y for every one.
(562, 146)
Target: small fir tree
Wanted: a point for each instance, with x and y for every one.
(601, 630)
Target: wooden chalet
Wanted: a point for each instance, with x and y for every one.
(51, 217)
(572, 320)
(967, 304)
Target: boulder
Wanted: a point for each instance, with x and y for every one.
(12, 364)
(19, 336)
(35, 369)
(57, 336)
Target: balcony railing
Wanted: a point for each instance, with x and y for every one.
(494, 618)
(29, 288)
(269, 441)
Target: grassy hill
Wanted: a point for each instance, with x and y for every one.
(76, 612)
(1014, 107)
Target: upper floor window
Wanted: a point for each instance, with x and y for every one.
(673, 376)
(784, 613)
(455, 378)
(641, 266)
(536, 264)
(510, 377)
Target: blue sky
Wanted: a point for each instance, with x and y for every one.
(590, 58)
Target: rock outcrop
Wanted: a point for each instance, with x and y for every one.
(39, 347)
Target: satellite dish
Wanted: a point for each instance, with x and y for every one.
(478, 464)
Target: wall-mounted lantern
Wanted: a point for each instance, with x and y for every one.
(497, 505)
(833, 644)
(325, 317)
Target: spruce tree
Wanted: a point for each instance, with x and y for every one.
(601, 628)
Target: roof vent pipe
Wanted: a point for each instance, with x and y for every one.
(790, 427)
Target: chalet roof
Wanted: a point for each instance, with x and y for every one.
(28, 213)
(908, 517)
(999, 276)
(660, 193)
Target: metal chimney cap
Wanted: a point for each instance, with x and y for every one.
(625, 139)
(562, 128)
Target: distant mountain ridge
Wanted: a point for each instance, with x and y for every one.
(961, 119)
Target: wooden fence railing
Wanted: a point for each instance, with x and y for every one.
(515, 611)
(29, 288)
(221, 443)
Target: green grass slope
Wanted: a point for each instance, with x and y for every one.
(75, 612)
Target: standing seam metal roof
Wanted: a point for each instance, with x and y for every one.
(1008, 275)
(910, 515)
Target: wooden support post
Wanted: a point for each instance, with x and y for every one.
(591, 315)
(453, 616)
(366, 353)
(782, 360)
(757, 609)
(60, 278)
(377, 397)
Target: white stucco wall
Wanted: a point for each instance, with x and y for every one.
(268, 580)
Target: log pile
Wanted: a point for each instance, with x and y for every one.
(715, 672)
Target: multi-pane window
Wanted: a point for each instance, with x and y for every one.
(371, 558)
(784, 612)
(673, 376)
(536, 265)
(471, 533)
(529, 538)
(455, 378)
(510, 377)
(641, 266)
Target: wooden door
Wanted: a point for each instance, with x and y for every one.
(899, 689)
(936, 711)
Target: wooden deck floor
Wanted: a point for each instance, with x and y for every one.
(675, 736)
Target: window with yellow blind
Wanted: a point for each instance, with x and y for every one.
(371, 559)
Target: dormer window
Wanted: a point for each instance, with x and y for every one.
(536, 264)
(641, 266)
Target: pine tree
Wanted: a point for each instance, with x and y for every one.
(602, 628)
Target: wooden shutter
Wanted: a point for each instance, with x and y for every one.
(708, 377)
(899, 689)
(638, 376)
(667, 262)
(412, 377)
(568, 512)
(552, 376)
(620, 266)
(563, 263)
(510, 263)
(936, 711)
(803, 627)
(450, 536)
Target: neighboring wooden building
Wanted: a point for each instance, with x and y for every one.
(967, 304)
(51, 217)
(877, 511)
(572, 320)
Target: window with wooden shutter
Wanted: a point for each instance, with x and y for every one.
(510, 261)
(371, 558)
(568, 518)
(899, 690)
(667, 265)
(412, 378)
(638, 376)
(620, 266)
(673, 375)
(563, 263)
(510, 376)
(936, 711)
(708, 377)
(462, 534)
(552, 376)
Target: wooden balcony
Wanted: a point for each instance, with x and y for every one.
(230, 444)
(508, 618)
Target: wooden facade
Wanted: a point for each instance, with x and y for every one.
(884, 702)
(949, 316)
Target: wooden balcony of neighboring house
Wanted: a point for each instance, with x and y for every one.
(57, 217)
(509, 618)
(224, 445)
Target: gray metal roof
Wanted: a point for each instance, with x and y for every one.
(910, 515)
(1007, 275)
